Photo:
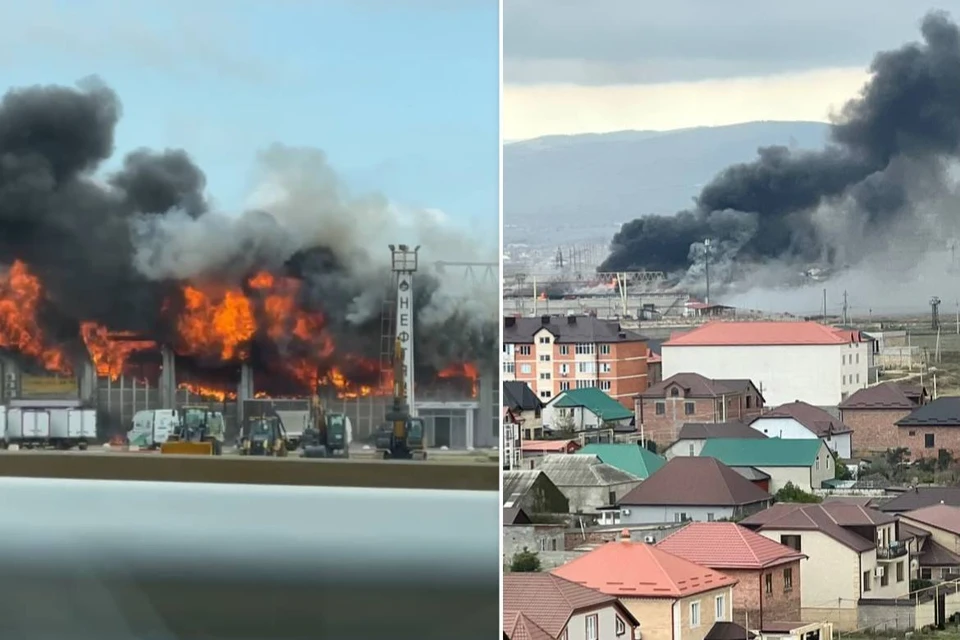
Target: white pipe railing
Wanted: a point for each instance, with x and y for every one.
(119, 559)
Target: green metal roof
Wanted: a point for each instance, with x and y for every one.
(596, 401)
(772, 452)
(631, 458)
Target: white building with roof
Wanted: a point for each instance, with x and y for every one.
(788, 361)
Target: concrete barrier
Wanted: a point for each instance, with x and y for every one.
(89, 465)
(164, 560)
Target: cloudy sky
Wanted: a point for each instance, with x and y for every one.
(373, 83)
(576, 66)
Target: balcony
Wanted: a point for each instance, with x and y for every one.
(891, 552)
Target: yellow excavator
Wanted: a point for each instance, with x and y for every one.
(198, 431)
(401, 438)
(328, 434)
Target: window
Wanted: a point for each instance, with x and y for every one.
(612, 497)
(564, 386)
(768, 583)
(525, 368)
(604, 349)
(926, 573)
(679, 516)
(858, 378)
(586, 367)
(694, 614)
(928, 440)
(844, 379)
(788, 579)
(791, 541)
(858, 362)
(544, 357)
(884, 579)
(749, 401)
(674, 392)
(900, 571)
(544, 340)
(524, 349)
(818, 463)
(591, 623)
(828, 462)
(621, 627)
(689, 408)
(721, 609)
(605, 367)
(605, 385)
(586, 384)
(584, 349)
(544, 394)
(844, 361)
(508, 349)
(545, 375)
(509, 367)
(564, 369)
(661, 408)
(867, 584)
(691, 450)
(564, 349)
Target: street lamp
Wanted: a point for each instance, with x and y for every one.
(706, 264)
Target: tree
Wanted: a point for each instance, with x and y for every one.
(525, 561)
(792, 493)
(944, 459)
(841, 471)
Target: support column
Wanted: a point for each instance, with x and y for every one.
(245, 390)
(168, 378)
(88, 382)
(486, 410)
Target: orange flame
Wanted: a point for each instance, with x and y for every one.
(465, 370)
(207, 393)
(109, 355)
(20, 296)
(216, 324)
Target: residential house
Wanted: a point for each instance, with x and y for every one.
(799, 420)
(555, 353)
(543, 606)
(805, 463)
(767, 572)
(693, 435)
(938, 552)
(589, 409)
(521, 532)
(654, 362)
(931, 561)
(534, 450)
(855, 546)
(873, 414)
(930, 428)
(919, 497)
(690, 397)
(632, 458)
(511, 445)
(534, 492)
(699, 489)
(786, 360)
(524, 408)
(674, 599)
(588, 483)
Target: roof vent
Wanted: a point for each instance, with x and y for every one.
(544, 319)
(622, 335)
(571, 319)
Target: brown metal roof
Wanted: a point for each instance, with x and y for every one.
(695, 481)
(934, 554)
(919, 497)
(695, 385)
(815, 419)
(548, 601)
(829, 518)
(940, 516)
(566, 330)
(708, 430)
(888, 395)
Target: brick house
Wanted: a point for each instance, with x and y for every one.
(690, 397)
(930, 428)
(768, 590)
(873, 413)
(555, 353)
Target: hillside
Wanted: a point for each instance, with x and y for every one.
(580, 188)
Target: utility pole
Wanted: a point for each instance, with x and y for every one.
(706, 264)
(845, 317)
(824, 306)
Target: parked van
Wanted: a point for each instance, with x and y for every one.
(152, 428)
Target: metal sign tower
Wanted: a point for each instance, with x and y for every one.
(403, 263)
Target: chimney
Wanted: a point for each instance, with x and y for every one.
(622, 335)
(625, 535)
(509, 321)
(544, 320)
(571, 319)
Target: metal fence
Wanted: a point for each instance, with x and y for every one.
(110, 559)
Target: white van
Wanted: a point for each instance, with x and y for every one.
(152, 428)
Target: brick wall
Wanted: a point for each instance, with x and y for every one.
(750, 597)
(873, 429)
(628, 375)
(914, 439)
(663, 429)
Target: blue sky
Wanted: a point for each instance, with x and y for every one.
(402, 95)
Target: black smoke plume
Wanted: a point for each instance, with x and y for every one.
(828, 206)
(115, 249)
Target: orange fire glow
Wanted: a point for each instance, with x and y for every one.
(465, 370)
(109, 354)
(208, 393)
(221, 324)
(20, 295)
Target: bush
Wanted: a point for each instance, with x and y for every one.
(792, 493)
(525, 561)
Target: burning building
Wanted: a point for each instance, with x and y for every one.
(134, 286)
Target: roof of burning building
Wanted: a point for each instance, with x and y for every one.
(758, 334)
(567, 329)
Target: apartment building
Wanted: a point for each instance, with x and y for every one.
(559, 353)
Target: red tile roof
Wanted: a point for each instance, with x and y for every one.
(634, 569)
(727, 545)
(940, 516)
(546, 601)
(548, 446)
(757, 334)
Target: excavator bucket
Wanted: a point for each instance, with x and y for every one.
(187, 448)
